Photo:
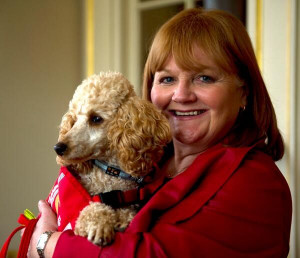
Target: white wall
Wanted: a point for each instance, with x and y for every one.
(40, 66)
(278, 66)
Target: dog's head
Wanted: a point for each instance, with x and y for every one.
(107, 121)
(83, 130)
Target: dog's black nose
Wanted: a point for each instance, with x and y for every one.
(60, 148)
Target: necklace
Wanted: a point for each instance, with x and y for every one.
(170, 174)
(171, 171)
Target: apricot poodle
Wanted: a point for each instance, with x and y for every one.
(107, 122)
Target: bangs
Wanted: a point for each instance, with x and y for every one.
(181, 40)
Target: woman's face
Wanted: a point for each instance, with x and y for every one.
(201, 106)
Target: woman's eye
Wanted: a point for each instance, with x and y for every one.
(166, 80)
(205, 79)
(96, 119)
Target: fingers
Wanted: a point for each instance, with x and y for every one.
(48, 217)
(46, 222)
(43, 206)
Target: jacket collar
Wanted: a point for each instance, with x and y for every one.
(191, 189)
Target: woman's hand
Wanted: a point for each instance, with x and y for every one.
(47, 222)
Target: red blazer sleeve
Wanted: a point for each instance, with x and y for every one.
(229, 203)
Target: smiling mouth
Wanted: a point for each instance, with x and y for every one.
(189, 113)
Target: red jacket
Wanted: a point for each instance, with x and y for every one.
(231, 202)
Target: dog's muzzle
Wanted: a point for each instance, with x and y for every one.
(60, 148)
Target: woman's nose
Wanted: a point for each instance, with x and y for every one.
(184, 93)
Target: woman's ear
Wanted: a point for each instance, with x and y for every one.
(244, 95)
(138, 135)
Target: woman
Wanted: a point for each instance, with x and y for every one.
(221, 194)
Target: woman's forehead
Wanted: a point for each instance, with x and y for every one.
(199, 60)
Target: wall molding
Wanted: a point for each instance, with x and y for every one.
(89, 22)
(259, 33)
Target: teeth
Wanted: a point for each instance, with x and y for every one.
(190, 113)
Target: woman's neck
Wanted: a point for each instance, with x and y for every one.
(184, 156)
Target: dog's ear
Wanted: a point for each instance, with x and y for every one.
(138, 134)
(67, 122)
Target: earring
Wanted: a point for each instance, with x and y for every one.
(242, 109)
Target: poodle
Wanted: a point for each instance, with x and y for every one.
(108, 123)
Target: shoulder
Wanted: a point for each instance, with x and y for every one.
(258, 184)
(253, 206)
(257, 169)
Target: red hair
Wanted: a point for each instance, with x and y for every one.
(225, 39)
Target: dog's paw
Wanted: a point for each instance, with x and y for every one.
(124, 217)
(96, 222)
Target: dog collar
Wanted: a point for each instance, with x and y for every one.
(116, 171)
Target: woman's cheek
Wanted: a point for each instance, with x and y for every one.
(160, 97)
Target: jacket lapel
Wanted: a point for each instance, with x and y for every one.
(212, 177)
(184, 195)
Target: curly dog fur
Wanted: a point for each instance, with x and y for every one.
(108, 122)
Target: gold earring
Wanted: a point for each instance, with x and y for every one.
(242, 109)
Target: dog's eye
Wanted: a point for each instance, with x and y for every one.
(96, 119)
